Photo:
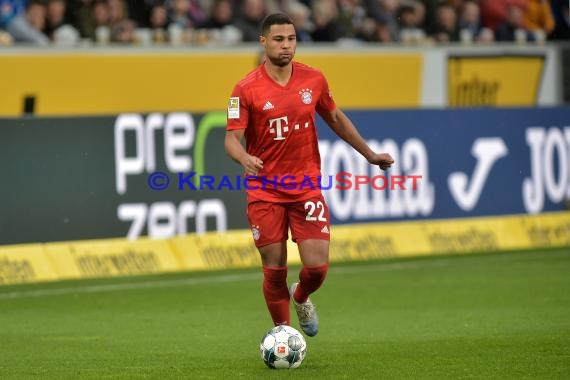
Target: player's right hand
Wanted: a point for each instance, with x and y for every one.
(252, 165)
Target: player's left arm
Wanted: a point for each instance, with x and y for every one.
(345, 129)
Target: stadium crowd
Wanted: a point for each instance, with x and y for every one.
(227, 22)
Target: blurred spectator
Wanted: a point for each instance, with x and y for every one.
(411, 16)
(221, 15)
(206, 7)
(419, 13)
(486, 36)
(406, 16)
(495, 12)
(457, 4)
(118, 11)
(561, 13)
(158, 17)
(36, 15)
(385, 15)
(139, 11)
(197, 13)
(513, 28)
(123, 31)
(470, 26)
(352, 17)
(252, 13)
(446, 24)
(538, 16)
(158, 23)
(220, 25)
(55, 17)
(66, 35)
(101, 13)
(5, 39)
(81, 16)
(470, 18)
(189, 14)
(300, 14)
(13, 21)
(315, 20)
(327, 27)
(430, 10)
(179, 14)
(90, 15)
(122, 27)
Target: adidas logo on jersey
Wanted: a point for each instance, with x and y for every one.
(268, 106)
(325, 230)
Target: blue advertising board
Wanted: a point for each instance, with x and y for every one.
(89, 177)
(472, 162)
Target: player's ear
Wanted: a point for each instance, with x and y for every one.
(262, 40)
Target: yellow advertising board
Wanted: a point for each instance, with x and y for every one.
(235, 249)
(110, 257)
(371, 80)
(111, 81)
(494, 80)
(25, 263)
(104, 84)
(91, 83)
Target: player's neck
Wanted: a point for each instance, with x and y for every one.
(279, 74)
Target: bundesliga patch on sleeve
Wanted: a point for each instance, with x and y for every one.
(233, 108)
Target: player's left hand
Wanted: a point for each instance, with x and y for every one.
(383, 160)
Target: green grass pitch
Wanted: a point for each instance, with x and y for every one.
(499, 316)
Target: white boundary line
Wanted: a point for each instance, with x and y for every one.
(432, 262)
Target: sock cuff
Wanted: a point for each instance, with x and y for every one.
(317, 268)
(274, 268)
(275, 272)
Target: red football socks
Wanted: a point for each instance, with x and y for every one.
(311, 278)
(276, 294)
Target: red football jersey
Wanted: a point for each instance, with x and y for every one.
(280, 129)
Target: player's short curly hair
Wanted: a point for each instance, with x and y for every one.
(274, 19)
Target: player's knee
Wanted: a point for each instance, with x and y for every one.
(317, 274)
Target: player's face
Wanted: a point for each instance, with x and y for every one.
(280, 44)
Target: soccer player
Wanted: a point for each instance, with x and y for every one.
(273, 108)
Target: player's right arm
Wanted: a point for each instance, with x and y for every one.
(345, 129)
(236, 151)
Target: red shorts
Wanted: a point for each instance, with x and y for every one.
(270, 222)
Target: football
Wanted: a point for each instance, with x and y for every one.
(283, 347)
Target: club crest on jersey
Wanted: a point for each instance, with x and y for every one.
(306, 95)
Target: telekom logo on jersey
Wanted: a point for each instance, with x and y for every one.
(280, 125)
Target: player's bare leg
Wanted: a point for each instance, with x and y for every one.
(315, 258)
(314, 252)
(274, 261)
